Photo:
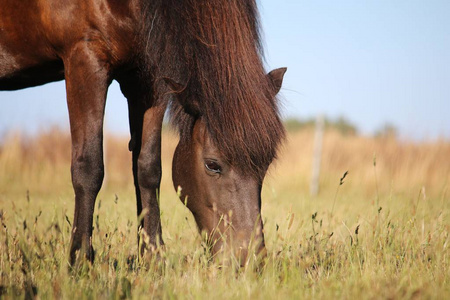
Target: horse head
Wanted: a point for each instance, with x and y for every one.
(224, 198)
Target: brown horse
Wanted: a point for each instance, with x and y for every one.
(203, 54)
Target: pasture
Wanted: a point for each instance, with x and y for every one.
(382, 233)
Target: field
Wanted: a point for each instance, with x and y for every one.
(381, 232)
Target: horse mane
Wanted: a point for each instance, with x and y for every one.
(213, 48)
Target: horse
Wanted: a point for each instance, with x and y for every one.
(200, 59)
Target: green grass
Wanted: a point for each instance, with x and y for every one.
(375, 243)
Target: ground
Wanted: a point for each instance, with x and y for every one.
(380, 232)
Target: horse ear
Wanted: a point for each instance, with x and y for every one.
(175, 86)
(189, 104)
(276, 77)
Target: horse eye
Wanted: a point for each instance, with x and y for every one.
(213, 166)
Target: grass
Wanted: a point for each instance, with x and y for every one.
(382, 232)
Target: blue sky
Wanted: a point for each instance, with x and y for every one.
(372, 62)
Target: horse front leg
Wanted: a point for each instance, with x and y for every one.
(146, 115)
(86, 84)
(147, 177)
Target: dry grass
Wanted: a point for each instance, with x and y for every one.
(386, 237)
(401, 167)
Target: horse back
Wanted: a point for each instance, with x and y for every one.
(37, 35)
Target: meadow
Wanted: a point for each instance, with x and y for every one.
(382, 232)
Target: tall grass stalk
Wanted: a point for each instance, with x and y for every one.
(357, 253)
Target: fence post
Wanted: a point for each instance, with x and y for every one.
(317, 155)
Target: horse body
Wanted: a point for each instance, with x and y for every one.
(38, 37)
(203, 54)
(87, 43)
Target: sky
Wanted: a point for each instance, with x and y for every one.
(372, 62)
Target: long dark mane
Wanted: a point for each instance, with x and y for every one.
(213, 48)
